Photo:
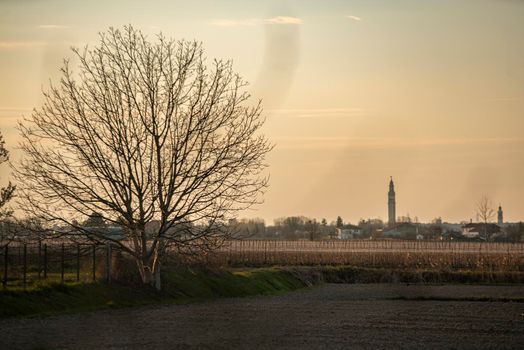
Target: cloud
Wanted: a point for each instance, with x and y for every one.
(344, 143)
(250, 22)
(354, 18)
(9, 115)
(20, 44)
(283, 20)
(7, 45)
(52, 26)
(319, 112)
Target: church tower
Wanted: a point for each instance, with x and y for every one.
(500, 218)
(391, 203)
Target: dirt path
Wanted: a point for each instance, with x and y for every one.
(333, 316)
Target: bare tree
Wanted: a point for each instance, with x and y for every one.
(144, 132)
(485, 213)
(6, 194)
(312, 227)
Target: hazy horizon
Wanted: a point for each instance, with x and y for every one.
(431, 93)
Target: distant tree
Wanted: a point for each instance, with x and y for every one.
(312, 227)
(95, 220)
(6, 193)
(339, 223)
(323, 222)
(21, 230)
(437, 221)
(7, 230)
(485, 213)
(250, 228)
(369, 227)
(433, 231)
(145, 131)
(291, 225)
(405, 218)
(515, 232)
(453, 235)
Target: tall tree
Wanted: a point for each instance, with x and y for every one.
(485, 213)
(94, 220)
(312, 227)
(340, 222)
(145, 131)
(6, 193)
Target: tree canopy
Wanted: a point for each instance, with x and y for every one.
(145, 131)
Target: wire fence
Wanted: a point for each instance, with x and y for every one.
(374, 246)
(24, 264)
(367, 253)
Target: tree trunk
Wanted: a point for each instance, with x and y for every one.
(158, 281)
(150, 273)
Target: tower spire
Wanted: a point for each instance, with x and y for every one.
(391, 202)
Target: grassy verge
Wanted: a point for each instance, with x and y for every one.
(179, 286)
(352, 274)
(187, 285)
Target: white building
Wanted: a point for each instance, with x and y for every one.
(348, 232)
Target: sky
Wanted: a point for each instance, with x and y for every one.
(429, 92)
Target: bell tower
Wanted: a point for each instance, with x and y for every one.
(391, 203)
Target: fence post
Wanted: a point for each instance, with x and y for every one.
(25, 266)
(45, 260)
(62, 257)
(39, 258)
(108, 262)
(77, 262)
(94, 263)
(6, 262)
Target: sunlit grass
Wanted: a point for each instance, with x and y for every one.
(179, 286)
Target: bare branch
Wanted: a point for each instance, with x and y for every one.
(144, 132)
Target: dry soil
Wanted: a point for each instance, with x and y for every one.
(333, 316)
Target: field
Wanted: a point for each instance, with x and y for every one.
(379, 254)
(334, 316)
(22, 265)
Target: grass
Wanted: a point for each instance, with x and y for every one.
(353, 274)
(55, 298)
(184, 285)
(179, 286)
(191, 284)
(33, 280)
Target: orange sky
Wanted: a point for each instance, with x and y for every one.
(431, 93)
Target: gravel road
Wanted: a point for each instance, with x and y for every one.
(334, 316)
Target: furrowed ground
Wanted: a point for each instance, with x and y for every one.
(335, 316)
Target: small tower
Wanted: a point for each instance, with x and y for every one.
(391, 203)
(500, 217)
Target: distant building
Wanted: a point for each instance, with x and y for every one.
(500, 216)
(111, 232)
(404, 230)
(447, 227)
(391, 203)
(480, 230)
(348, 232)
